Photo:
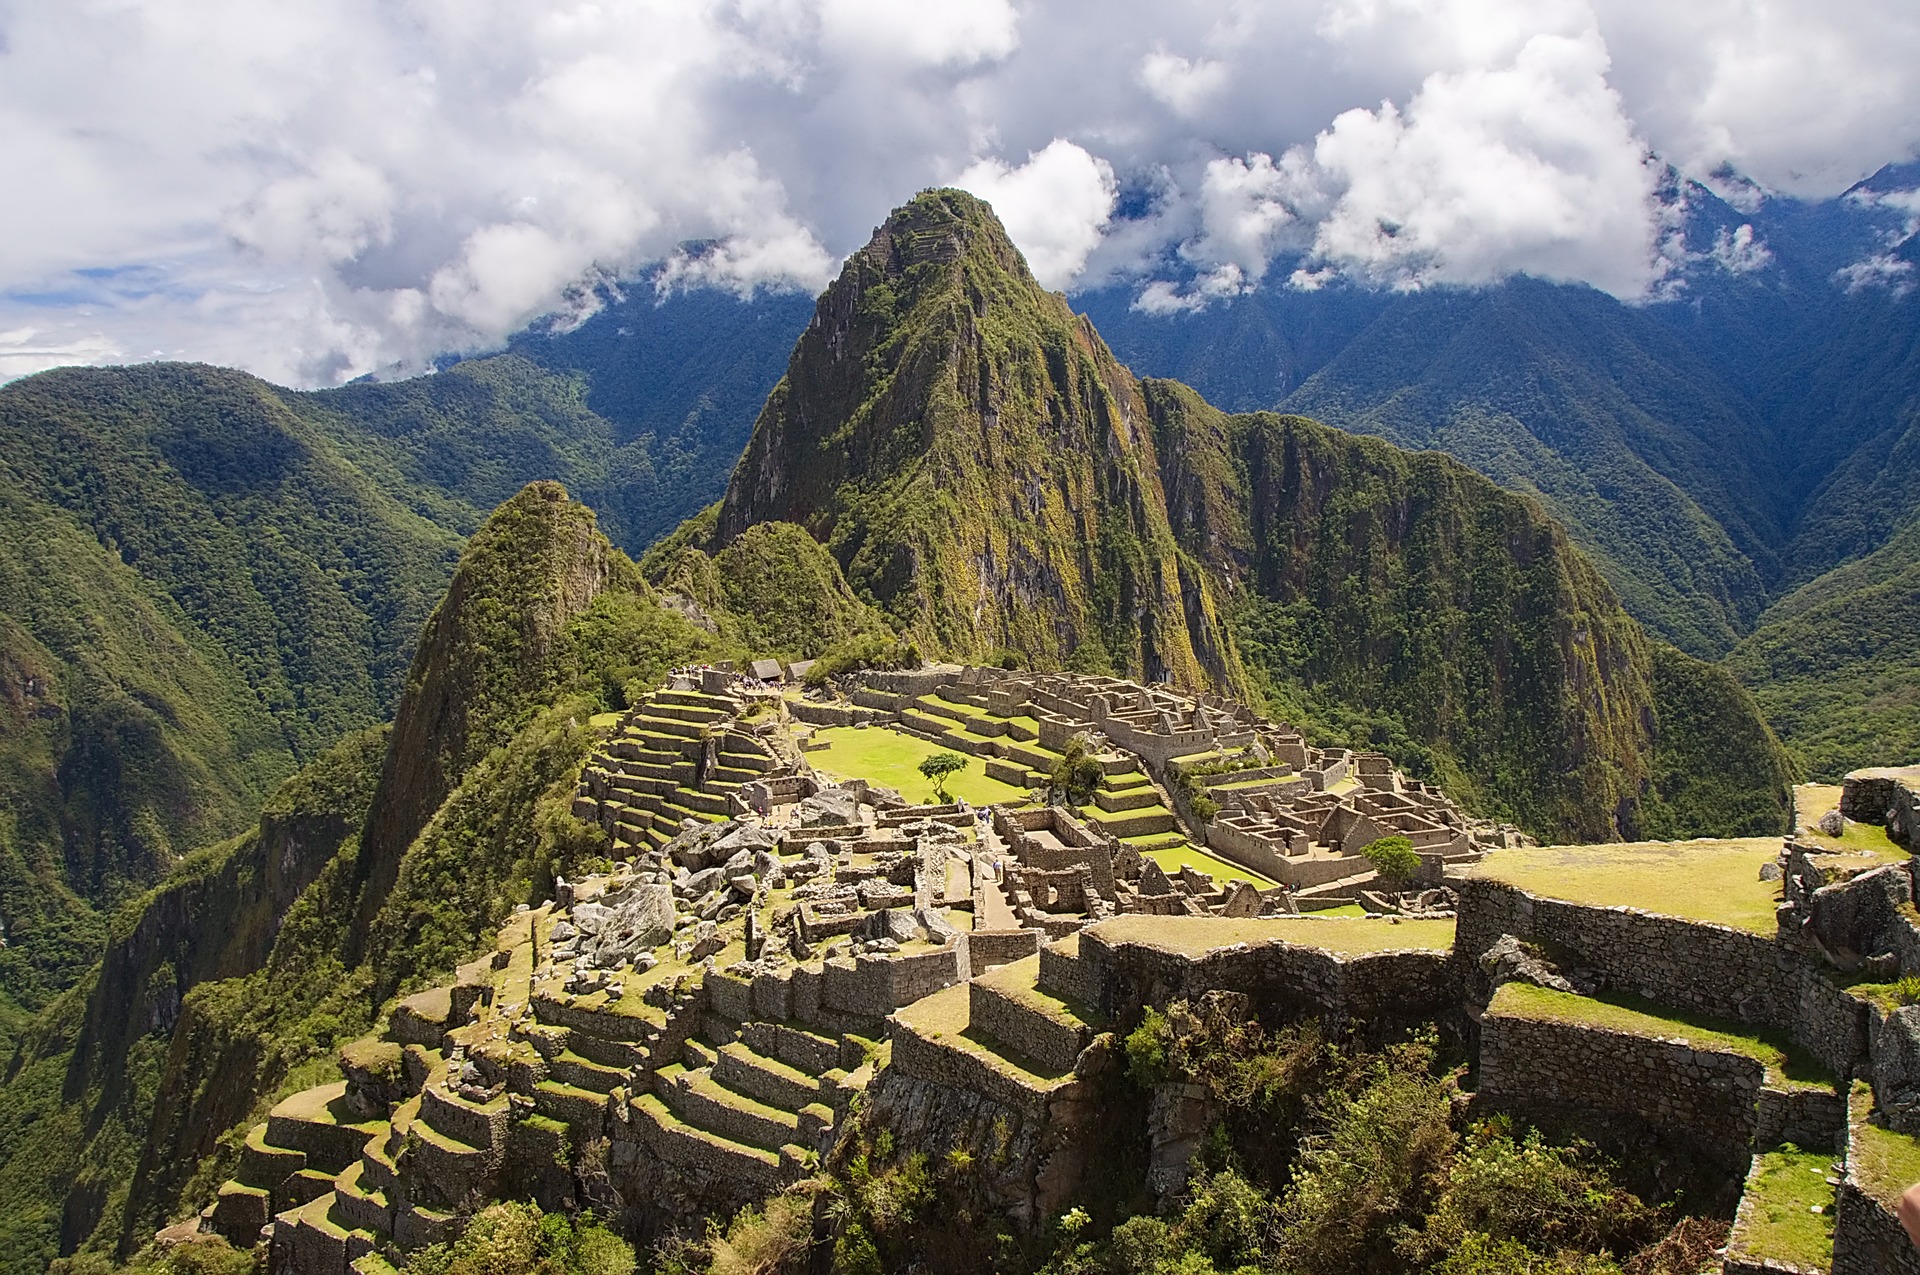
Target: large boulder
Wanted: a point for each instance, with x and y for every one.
(830, 807)
(622, 924)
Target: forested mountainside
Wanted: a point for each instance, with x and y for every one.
(208, 579)
(980, 465)
(372, 871)
(1724, 452)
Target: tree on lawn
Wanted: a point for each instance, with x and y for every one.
(1394, 858)
(939, 766)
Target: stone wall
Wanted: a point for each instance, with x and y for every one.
(988, 948)
(1710, 969)
(1867, 1238)
(1885, 796)
(1535, 1068)
(875, 986)
(1390, 987)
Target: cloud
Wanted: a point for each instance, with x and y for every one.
(321, 190)
(1054, 206)
(1184, 85)
(1738, 252)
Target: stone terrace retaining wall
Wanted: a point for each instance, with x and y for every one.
(1867, 1239)
(988, 948)
(1390, 986)
(1711, 969)
(1533, 1067)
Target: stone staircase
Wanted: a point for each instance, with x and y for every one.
(761, 1099)
(677, 756)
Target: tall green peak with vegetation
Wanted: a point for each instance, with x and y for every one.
(976, 460)
(232, 982)
(987, 475)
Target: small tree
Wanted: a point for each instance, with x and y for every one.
(1394, 858)
(939, 766)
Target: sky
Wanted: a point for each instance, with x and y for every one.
(315, 190)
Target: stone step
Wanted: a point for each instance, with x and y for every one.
(298, 1188)
(570, 1068)
(725, 704)
(1134, 823)
(928, 723)
(445, 1170)
(358, 1208)
(319, 1123)
(697, 1098)
(699, 714)
(583, 1110)
(474, 1123)
(617, 1055)
(757, 763)
(1006, 1006)
(695, 1054)
(239, 1211)
(702, 803)
(264, 1165)
(416, 1225)
(736, 775)
(1134, 798)
(770, 1081)
(310, 1240)
(797, 1047)
(933, 1039)
(676, 1142)
(664, 728)
(1126, 782)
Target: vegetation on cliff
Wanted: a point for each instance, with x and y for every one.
(1329, 1155)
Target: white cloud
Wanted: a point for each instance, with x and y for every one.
(1738, 252)
(1184, 85)
(318, 190)
(1054, 206)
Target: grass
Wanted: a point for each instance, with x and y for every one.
(1345, 909)
(890, 758)
(1884, 1162)
(1713, 881)
(1786, 1063)
(1173, 858)
(1345, 936)
(1811, 801)
(1786, 1185)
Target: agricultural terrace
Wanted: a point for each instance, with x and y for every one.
(1706, 880)
(1811, 801)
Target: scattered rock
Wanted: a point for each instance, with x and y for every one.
(1832, 824)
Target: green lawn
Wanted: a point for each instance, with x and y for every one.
(1785, 1062)
(1810, 801)
(1716, 881)
(888, 757)
(1782, 1192)
(1173, 858)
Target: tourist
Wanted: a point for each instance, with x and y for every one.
(1910, 1213)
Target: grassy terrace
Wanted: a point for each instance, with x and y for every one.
(1344, 936)
(1810, 801)
(888, 757)
(947, 1016)
(1883, 1162)
(1714, 881)
(1786, 1063)
(1782, 1191)
(1191, 856)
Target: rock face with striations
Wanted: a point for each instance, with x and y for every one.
(976, 460)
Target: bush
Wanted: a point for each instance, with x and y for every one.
(1394, 858)
(1076, 774)
(1149, 1047)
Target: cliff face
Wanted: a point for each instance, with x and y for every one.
(539, 561)
(977, 461)
(980, 465)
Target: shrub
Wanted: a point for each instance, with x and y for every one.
(1148, 1048)
(1394, 858)
(1076, 774)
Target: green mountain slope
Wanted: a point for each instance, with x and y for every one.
(1621, 433)
(257, 956)
(976, 460)
(988, 475)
